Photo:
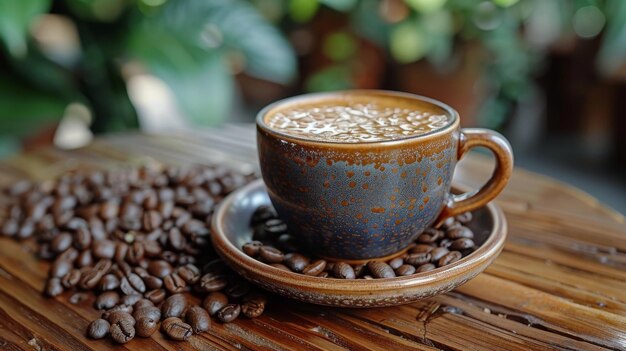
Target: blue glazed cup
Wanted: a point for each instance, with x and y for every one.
(365, 200)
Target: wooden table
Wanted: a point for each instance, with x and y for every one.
(559, 284)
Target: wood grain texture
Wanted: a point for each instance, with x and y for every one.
(560, 283)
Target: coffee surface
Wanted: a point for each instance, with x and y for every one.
(357, 120)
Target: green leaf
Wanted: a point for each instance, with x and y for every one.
(186, 44)
(24, 109)
(612, 54)
(15, 18)
(303, 10)
(408, 42)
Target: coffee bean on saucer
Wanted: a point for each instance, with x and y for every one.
(429, 235)
(417, 259)
(465, 217)
(343, 270)
(271, 255)
(396, 262)
(405, 269)
(425, 268)
(296, 262)
(360, 269)
(462, 244)
(280, 266)
(314, 268)
(214, 302)
(450, 257)
(252, 248)
(229, 313)
(380, 269)
(421, 248)
(98, 329)
(459, 232)
(176, 329)
(262, 214)
(437, 253)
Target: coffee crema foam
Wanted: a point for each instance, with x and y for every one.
(355, 122)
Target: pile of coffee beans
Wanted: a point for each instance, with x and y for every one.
(273, 244)
(139, 240)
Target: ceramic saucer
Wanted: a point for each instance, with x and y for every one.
(231, 230)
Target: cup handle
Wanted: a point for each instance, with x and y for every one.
(500, 147)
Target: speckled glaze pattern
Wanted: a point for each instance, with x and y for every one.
(358, 201)
(231, 229)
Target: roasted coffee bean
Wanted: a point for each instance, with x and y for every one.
(430, 235)
(425, 268)
(176, 329)
(465, 217)
(103, 249)
(174, 283)
(122, 331)
(271, 254)
(174, 306)
(287, 243)
(262, 214)
(459, 232)
(156, 296)
(78, 297)
(141, 272)
(160, 268)
(153, 282)
(214, 302)
(151, 312)
(360, 270)
(61, 242)
(252, 248)
(126, 287)
(212, 282)
(420, 248)
(60, 267)
(396, 262)
(71, 278)
(146, 326)
(26, 229)
(296, 262)
(253, 305)
(53, 287)
(198, 319)
(189, 273)
(118, 308)
(136, 282)
(109, 209)
(143, 303)
(315, 268)
(343, 270)
(106, 300)
(135, 252)
(10, 227)
(116, 315)
(152, 220)
(175, 239)
(437, 253)
(405, 269)
(229, 313)
(84, 259)
(417, 259)
(82, 238)
(380, 269)
(237, 289)
(323, 275)
(90, 279)
(462, 244)
(130, 300)
(274, 227)
(109, 282)
(450, 257)
(445, 243)
(98, 329)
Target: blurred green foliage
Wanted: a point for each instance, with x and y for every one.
(197, 47)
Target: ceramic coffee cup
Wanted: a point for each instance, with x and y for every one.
(364, 200)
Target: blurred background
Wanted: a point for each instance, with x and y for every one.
(549, 74)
